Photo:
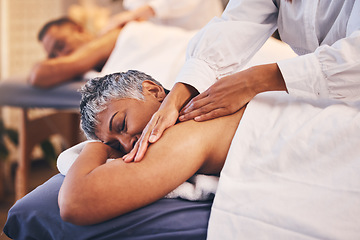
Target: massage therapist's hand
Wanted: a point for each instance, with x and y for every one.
(166, 116)
(232, 92)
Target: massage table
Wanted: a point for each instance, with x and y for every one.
(62, 100)
(36, 216)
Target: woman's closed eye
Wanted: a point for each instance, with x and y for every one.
(121, 128)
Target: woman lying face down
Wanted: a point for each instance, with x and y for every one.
(115, 109)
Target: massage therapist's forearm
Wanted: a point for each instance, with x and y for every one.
(179, 95)
(268, 78)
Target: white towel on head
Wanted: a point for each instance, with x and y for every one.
(200, 187)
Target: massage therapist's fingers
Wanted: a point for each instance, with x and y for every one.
(196, 112)
(215, 113)
(224, 97)
(208, 112)
(143, 144)
(195, 107)
(143, 141)
(140, 145)
(195, 103)
(160, 121)
(131, 155)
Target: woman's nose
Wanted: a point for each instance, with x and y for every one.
(127, 142)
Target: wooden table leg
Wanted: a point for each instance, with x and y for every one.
(34, 131)
(22, 172)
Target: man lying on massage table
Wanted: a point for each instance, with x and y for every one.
(94, 190)
(72, 51)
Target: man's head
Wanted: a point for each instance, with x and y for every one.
(116, 108)
(62, 36)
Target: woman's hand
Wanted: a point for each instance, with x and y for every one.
(165, 117)
(232, 92)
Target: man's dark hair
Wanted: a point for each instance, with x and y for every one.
(57, 22)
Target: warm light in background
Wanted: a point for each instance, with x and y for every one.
(20, 21)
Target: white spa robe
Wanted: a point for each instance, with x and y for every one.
(187, 14)
(292, 172)
(326, 33)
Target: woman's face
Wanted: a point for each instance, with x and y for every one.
(123, 121)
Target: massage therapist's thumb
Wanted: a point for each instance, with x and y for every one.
(153, 138)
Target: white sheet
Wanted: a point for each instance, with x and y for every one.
(292, 172)
(160, 51)
(154, 49)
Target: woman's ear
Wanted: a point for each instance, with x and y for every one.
(152, 89)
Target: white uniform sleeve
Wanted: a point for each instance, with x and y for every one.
(223, 47)
(329, 72)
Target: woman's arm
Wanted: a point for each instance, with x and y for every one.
(61, 69)
(93, 191)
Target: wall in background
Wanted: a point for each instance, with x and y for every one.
(20, 23)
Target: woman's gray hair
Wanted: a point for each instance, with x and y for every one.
(97, 92)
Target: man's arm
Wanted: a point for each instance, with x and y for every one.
(61, 69)
(93, 191)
